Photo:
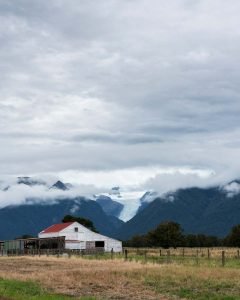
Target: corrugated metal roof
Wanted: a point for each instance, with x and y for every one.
(56, 227)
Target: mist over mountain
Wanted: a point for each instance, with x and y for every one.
(148, 197)
(115, 201)
(211, 211)
(34, 204)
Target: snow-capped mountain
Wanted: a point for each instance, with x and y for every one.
(117, 202)
(34, 205)
(210, 210)
(148, 197)
(131, 201)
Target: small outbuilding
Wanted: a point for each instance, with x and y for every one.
(78, 237)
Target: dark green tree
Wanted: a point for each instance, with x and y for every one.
(85, 222)
(167, 234)
(24, 236)
(233, 239)
(137, 241)
(170, 234)
(202, 240)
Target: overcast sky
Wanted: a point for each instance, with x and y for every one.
(120, 90)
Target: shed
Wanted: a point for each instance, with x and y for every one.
(78, 237)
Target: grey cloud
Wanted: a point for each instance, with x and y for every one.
(119, 84)
(19, 194)
(118, 138)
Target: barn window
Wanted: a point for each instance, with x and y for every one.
(99, 244)
(76, 229)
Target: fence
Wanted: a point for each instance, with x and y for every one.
(229, 257)
(190, 256)
(48, 252)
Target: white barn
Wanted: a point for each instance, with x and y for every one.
(78, 237)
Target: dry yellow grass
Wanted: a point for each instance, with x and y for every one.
(117, 279)
(80, 277)
(215, 252)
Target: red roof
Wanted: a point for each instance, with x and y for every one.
(56, 227)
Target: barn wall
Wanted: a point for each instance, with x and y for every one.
(84, 234)
(74, 245)
(49, 235)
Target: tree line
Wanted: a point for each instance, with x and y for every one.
(170, 234)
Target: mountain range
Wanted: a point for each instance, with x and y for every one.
(33, 217)
(211, 211)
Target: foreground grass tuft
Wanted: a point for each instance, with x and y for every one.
(22, 290)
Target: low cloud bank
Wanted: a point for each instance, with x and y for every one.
(171, 181)
(232, 189)
(137, 181)
(18, 194)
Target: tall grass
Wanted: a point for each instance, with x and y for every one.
(101, 277)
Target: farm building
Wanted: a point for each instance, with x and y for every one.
(24, 245)
(78, 237)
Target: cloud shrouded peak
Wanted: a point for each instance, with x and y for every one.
(119, 85)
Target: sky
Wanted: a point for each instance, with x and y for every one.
(138, 93)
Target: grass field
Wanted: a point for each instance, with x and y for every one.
(83, 278)
(13, 289)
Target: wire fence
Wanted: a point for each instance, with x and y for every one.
(225, 257)
(187, 256)
(51, 252)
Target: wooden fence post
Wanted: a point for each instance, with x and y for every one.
(208, 253)
(223, 258)
(126, 254)
(112, 253)
(160, 252)
(145, 255)
(168, 256)
(238, 255)
(197, 257)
